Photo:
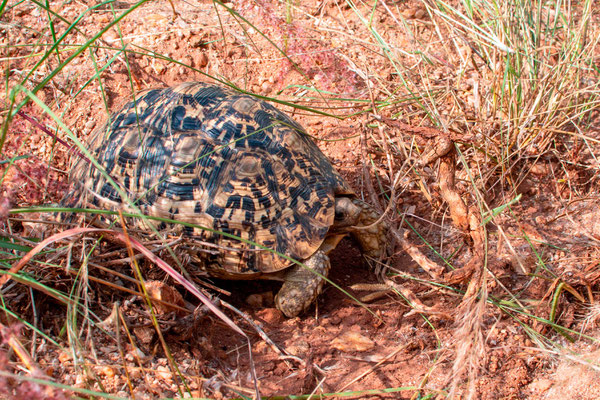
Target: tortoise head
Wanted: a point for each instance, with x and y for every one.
(346, 213)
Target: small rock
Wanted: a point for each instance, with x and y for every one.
(260, 300)
(265, 87)
(89, 126)
(156, 19)
(107, 371)
(188, 60)
(63, 357)
(300, 348)
(164, 373)
(539, 169)
(110, 36)
(420, 13)
(414, 13)
(260, 347)
(158, 68)
(202, 60)
(144, 334)
(541, 385)
(135, 373)
(197, 40)
(80, 381)
(270, 316)
(409, 13)
(335, 320)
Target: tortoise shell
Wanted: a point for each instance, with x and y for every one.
(218, 159)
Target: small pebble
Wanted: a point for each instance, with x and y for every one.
(107, 371)
(202, 60)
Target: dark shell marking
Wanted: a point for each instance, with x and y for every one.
(213, 157)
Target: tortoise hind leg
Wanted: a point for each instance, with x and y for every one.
(302, 286)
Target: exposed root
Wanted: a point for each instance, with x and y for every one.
(433, 269)
(458, 209)
(469, 338)
(469, 335)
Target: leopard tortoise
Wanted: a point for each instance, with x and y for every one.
(214, 158)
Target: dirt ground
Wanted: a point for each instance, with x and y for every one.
(339, 346)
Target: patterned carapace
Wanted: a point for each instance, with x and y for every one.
(216, 158)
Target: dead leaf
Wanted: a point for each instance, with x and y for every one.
(352, 341)
(167, 294)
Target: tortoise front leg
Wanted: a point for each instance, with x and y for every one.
(302, 286)
(370, 231)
